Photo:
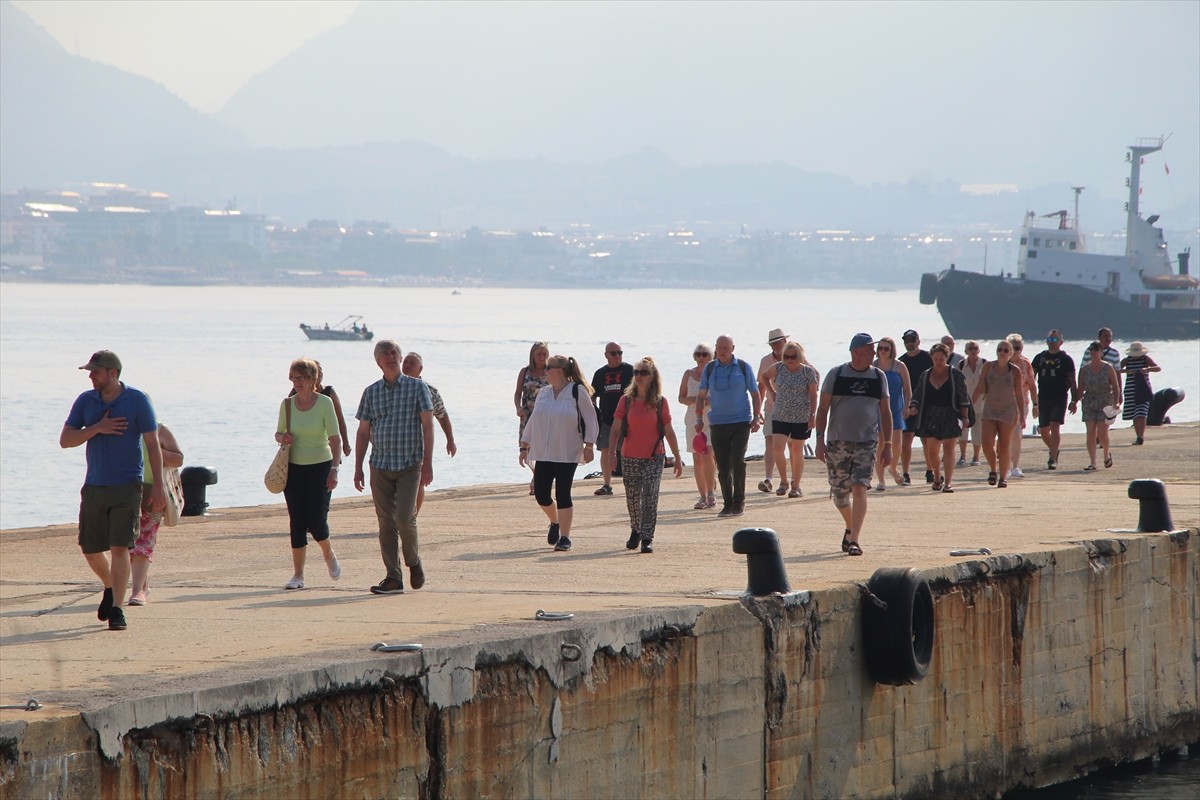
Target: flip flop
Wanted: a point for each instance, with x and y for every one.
(1090, 468)
(992, 478)
(1108, 462)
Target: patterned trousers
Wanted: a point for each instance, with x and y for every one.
(642, 477)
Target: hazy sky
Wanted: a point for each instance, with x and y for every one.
(202, 50)
(979, 92)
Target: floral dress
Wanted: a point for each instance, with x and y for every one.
(530, 387)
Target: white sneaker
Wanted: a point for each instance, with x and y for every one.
(294, 583)
(1015, 472)
(881, 487)
(335, 569)
(974, 462)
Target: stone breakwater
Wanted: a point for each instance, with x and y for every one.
(1045, 665)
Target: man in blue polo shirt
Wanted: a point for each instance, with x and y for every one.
(729, 388)
(113, 420)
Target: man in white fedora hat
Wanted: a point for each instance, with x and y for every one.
(776, 339)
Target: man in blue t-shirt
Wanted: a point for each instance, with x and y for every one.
(729, 387)
(113, 420)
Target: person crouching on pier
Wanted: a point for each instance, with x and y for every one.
(559, 435)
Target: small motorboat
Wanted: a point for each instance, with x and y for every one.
(347, 330)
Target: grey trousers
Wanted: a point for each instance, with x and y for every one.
(395, 496)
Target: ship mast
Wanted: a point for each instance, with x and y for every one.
(1078, 191)
(1134, 156)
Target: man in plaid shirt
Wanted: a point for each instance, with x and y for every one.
(395, 416)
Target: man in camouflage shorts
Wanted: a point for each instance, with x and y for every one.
(855, 413)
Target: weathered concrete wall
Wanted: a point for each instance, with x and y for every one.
(1045, 666)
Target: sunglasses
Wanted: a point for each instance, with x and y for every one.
(884, 348)
(791, 358)
(701, 354)
(642, 372)
(615, 353)
(1052, 339)
(1003, 350)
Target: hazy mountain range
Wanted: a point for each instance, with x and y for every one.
(66, 121)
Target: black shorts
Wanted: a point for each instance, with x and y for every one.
(1052, 410)
(791, 430)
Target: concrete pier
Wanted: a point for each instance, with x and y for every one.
(1071, 646)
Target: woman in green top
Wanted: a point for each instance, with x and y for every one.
(316, 452)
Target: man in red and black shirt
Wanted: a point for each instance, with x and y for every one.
(609, 384)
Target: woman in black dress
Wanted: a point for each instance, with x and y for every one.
(940, 400)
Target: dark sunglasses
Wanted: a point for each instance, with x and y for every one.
(701, 354)
(884, 347)
(642, 372)
(791, 358)
(616, 352)
(1052, 339)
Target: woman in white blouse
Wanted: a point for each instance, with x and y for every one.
(560, 434)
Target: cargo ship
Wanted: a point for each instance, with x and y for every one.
(1059, 284)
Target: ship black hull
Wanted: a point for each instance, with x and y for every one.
(976, 306)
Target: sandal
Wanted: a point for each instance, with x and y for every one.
(937, 484)
(854, 549)
(701, 503)
(782, 490)
(1090, 468)
(795, 492)
(846, 541)
(947, 489)
(1108, 462)
(1002, 484)
(992, 478)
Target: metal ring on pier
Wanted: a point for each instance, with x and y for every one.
(898, 626)
(31, 705)
(571, 652)
(553, 616)
(384, 647)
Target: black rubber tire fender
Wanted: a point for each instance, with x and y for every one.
(898, 640)
(929, 289)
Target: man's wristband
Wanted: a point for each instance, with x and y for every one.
(820, 434)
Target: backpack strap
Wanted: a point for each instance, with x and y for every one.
(578, 413)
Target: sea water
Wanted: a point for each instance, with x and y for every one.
(215, 361)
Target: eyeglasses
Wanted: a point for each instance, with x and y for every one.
(884, 348)
(295, 377)
(642, 372)
(791, 358)
(615, 353)
(701, 354)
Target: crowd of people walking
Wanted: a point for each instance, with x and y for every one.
(858, 418)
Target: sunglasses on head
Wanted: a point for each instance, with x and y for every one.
(642, 372)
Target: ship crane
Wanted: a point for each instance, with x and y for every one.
(1062, 218)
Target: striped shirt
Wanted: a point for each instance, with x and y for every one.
(393, 410)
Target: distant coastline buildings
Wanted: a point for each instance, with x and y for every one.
(111, 232)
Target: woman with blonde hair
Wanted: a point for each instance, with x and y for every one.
(1029, 390)
(1002, 387)
(559, 435)
(308, 422)
(644, 418)
(530, 380)
(704, 465)
(899, 396)
(794, 392)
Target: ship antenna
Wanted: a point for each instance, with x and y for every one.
(1078, 191)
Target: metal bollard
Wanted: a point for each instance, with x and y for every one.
(764, 560)
(195, 481)
(1154, 513)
